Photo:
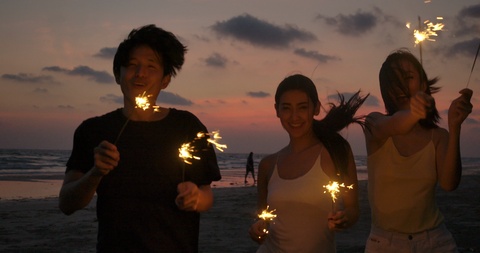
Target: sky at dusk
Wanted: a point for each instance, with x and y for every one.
(56, 61)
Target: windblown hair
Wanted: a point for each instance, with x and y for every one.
(170, 50)
(338, 117)
(392, 82)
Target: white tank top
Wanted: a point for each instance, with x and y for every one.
(302, 208)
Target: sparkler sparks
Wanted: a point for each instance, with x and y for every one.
(429, 31)
(267, 216)
(333, 188)
(141, 101)
(187, 150)
(426, 33)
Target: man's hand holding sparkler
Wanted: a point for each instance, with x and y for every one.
(106, 157)
(194, 198)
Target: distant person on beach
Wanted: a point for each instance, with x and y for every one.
(249, 167)
(130, 157)
(408, 155)
(290, 181)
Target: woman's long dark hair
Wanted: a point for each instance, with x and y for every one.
(338, 117)
(391, 82)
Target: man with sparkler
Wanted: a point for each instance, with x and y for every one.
(148, 200)
(290, 182)
(408, 155)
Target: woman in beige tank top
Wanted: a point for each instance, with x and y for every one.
(408, 154)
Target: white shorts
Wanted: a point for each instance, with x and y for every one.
(438, 239)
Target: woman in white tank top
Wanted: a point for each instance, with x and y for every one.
(291, 181)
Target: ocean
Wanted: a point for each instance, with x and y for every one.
(41, 163)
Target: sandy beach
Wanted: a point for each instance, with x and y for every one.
(31, 221)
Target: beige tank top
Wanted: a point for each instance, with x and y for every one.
(302, 210)
(401, 189)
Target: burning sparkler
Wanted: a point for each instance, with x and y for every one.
(267, 216)
(426, 33)
(333, 188)
(187, 150)
(141, 101)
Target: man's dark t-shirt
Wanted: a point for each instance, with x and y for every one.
(136, 201)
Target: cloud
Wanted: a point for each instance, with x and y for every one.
(30, 78)
(315, 55)
(261, 33)
(66, 107)
(258, 94)
(467, 21)
(106, 53)
(91, 74)
(466, 48)
(351, 25)
(173, 99)
(471, 121)
(359, 23)
(470, 12)
(40, 90)
(216, 60)
(112, 99)
(370, 101)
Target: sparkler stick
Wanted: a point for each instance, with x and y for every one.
(187, 150)
(473, 66)
(420, 42)
(267, 216)
(333, 188)
(141, 102)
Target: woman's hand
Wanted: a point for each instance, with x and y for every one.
(337, 221)
(258, 231)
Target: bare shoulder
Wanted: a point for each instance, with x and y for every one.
(440, 135)
(327, 163)
(371, 120)
(268, 162)
(374, 115)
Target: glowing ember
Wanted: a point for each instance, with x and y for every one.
(142, 102)
(185, 152)
(333, 188)
(267, 215)
(214, 136)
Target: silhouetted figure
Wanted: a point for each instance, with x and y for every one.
(250, 168)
